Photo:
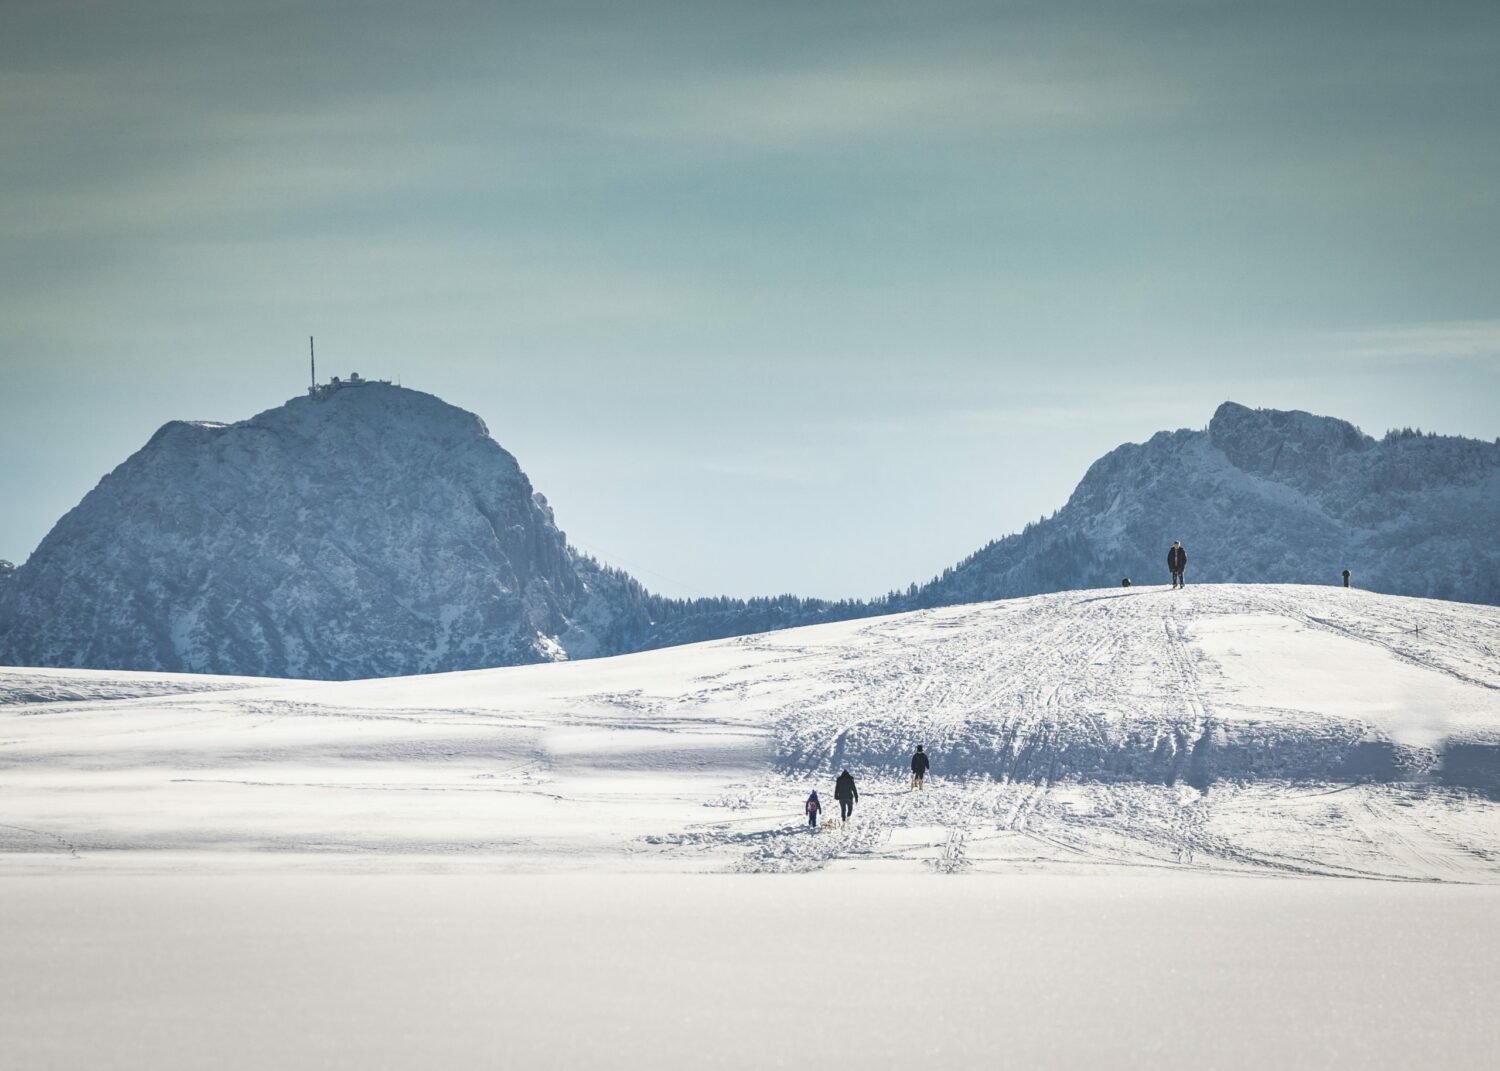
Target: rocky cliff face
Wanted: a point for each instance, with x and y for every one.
(1264, 496)
(374, 531)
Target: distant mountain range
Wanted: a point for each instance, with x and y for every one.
(373, 530)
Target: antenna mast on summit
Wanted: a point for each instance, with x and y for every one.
(312, 360)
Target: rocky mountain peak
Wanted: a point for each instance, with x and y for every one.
(1262, 441)
(362, 532)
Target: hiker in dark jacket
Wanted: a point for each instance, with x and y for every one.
(919, 766)
(1177, 562)
(813, 807)
(845, 792)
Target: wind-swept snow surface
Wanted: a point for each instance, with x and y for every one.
(1257, 729)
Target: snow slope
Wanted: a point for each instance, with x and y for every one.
(1278, 729)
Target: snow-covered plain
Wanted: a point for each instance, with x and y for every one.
(1135, 849)
(1276, 729)
(1158, 971)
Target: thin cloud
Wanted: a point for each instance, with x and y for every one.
(772, 470)
(1131, 411)
(1457, 340)
(238, 165)
(800, 107)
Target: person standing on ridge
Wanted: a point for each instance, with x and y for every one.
(1177, 562)
(813, 807)
(919, 766)
(845, 792)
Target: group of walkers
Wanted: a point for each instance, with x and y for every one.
(847, 794)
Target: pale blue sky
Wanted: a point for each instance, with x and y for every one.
(764, 297)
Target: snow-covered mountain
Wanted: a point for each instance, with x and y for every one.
(366, 531)
(379, 531)
(1260, 496)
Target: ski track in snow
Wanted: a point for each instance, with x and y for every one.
(1270, 730)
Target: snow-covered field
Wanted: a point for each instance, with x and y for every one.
(1135, 849)
(685, 971)
(1258, 729)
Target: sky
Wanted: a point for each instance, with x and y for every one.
(772, 297)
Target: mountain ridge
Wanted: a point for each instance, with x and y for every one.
(379, 531)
